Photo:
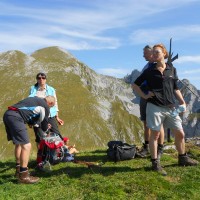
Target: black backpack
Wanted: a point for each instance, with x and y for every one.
(118, 151)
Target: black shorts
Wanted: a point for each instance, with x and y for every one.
(15, 127)
(143, 106)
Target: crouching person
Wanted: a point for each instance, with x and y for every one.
(33, 111)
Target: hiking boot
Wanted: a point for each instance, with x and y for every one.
(159, 152)
(157, 167)
(24, 177)
(17, 171)
(185, 160)
(144, 151)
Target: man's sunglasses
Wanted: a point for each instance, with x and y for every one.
(41, 77)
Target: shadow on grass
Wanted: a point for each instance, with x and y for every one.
(106, 168)
(5, 166)
(7, 170)
(96, 156)
(77, 170)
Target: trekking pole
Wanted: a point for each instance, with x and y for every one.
(189, 88)
(171, 59)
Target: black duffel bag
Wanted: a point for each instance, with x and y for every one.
(119, 151)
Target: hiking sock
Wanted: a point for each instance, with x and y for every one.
(17, 164)
(23, 169)
(180, 155)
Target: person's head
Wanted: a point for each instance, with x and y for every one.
(148, 53)
(159, 52)
(50, 100)
(41, 79)
(66, 140)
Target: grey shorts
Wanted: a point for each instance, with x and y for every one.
(15, 128)
(143, 105)
(156, 116)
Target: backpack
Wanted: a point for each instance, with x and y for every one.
(118, 151)
(51, 149)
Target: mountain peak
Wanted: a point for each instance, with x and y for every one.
(12, 58)
(52, 53)
(12, 53)
(64, 51)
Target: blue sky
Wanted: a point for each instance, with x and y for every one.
(108, 36)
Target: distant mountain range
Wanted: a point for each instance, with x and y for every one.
(96, 108)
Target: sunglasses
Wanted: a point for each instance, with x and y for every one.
(157, 51)
(41, 77)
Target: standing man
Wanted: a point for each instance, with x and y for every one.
(41, 89)
(148, 55)
(34, 112)
(163, 89)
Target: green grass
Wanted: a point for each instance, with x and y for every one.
(125, 180)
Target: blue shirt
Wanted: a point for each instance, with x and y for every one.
(50, 91)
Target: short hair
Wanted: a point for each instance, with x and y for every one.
(148, 47)
(50, 99)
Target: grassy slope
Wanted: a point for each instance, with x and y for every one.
(125, 123)
(82, 121)
(125, 180)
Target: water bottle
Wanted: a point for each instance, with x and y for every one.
(176, 111)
